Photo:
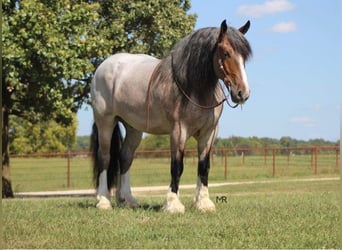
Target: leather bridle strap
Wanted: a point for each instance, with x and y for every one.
(225, 74)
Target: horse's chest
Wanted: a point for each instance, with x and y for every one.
(198, 118)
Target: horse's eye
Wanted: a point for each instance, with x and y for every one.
(226, 54)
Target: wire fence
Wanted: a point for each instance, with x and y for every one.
(72, 170)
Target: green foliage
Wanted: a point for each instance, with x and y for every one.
(51, 48)
(150, 27)
(46, 45)
(82, 143)
(26, 137)
(252, 142)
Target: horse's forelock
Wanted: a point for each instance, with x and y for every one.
(239, 43)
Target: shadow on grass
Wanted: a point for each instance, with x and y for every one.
(144, 206)
(86, 204)
(150, 207)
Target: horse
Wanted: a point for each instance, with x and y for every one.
(180, 95)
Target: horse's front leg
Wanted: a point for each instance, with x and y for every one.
(173, 204)
(202, 200)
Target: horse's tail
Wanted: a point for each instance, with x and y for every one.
(114, 163)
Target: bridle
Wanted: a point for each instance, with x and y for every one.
(228, 85)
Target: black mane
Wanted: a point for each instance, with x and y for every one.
(192, 61)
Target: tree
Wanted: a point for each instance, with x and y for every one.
(51, 48)
(49, 136)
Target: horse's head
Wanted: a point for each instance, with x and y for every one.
(229, 61)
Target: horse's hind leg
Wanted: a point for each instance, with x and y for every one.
(202, 200)
(105, 130)
(131, 142)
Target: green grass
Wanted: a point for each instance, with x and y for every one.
(264, 215)
(39, 174)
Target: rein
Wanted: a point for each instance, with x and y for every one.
(149, 94)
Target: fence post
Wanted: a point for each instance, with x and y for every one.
(337, 163)
(225, 165)
(212, 153)
(273, 162)
(265, 156)
(68, 170)
(315, 160)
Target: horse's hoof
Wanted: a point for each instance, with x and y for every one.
(205, 205)
(173, 204)
(104, 203)
(202, 201)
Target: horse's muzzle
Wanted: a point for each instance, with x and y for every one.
(238, 97)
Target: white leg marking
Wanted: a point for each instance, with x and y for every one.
(202, 200)
(103, 193)
(173, 204)
(124, 194)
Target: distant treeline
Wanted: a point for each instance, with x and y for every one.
(152, 142)
(46, 137)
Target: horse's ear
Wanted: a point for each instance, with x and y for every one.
(245, 28)
(223, 30)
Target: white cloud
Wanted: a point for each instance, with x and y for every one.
(268, 7)
(315, 107)
(284, 27)
(303, 120)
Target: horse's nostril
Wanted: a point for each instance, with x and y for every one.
(240, 95)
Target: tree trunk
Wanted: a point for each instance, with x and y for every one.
(6, 183)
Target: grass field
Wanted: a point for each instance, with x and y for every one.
(41, 174)
(290, 214)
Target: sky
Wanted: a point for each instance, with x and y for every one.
(295, 74)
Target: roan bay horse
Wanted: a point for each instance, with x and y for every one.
(179, 95)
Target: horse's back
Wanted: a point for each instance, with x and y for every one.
(120, 83)
(121, 64)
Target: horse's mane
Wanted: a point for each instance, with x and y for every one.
(191, 59)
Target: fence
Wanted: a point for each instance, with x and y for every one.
(72, 170)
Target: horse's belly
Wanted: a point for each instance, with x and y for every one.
(138, 118)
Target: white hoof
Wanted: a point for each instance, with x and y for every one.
(205, 205)
(104, 203)
(202, 201)
(173, 204)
